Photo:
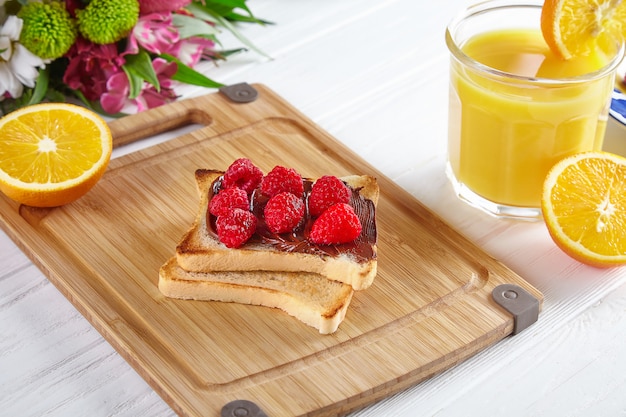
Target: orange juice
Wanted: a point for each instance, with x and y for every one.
(510, 122)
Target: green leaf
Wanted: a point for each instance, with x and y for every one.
(236, 17)
(135, 83)
(82, 98)
(187, 75)
(211, 10)
(95, 105)
(40, 87)
(190, 26)
(224, 7)
(228, 25)
(226, 53)
(200, 12)
(55, 95)
(220, 12)
(139, 68)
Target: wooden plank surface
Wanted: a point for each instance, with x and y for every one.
(429, 308)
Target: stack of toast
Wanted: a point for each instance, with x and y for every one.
(312, 282)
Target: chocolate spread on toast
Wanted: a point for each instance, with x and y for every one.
(361, 249)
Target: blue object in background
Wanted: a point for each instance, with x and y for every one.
(618, 106)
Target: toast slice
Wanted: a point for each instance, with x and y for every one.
(311, 298)
(354, 264)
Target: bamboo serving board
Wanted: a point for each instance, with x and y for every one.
(430, 306)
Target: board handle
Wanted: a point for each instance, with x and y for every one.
(158, 120)
(175, 115)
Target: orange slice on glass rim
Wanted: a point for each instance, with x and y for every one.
(53, 153)
(575, 27)
(584, 207)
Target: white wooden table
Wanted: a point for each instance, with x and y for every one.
(375, 75)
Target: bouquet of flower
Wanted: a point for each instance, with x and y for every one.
(114, 55)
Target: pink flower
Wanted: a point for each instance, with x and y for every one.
(114, 100)
(90, 67)
(191, 50)
(150, 97)
(152, 6)
(155, 33)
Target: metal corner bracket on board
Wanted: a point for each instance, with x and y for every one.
(240, 93)
(519, 302)
(241, 408)
(514, 299)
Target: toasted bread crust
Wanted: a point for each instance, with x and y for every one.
(198, 251)
(312, 299)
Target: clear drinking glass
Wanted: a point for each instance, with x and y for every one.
(515, 109)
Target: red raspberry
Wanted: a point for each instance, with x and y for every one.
(283, 212)
(228, 198)
(338, 224)
(244, 174)
(327, 191)
(281, 179)
(235, 227)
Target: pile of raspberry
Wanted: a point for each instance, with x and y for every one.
(335, 221)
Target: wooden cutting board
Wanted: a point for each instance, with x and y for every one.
(430, 306)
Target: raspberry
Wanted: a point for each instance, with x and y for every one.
(244, 174)
(235, 227)
(338, 224)
(283, 212)
(327, 191)
(281, 179)
(228, 198)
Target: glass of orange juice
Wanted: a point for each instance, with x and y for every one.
(515, 108)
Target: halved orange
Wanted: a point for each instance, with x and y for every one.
(52, 153)
(584, 207)
(575, 27)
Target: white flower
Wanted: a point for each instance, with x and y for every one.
(18, 66)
